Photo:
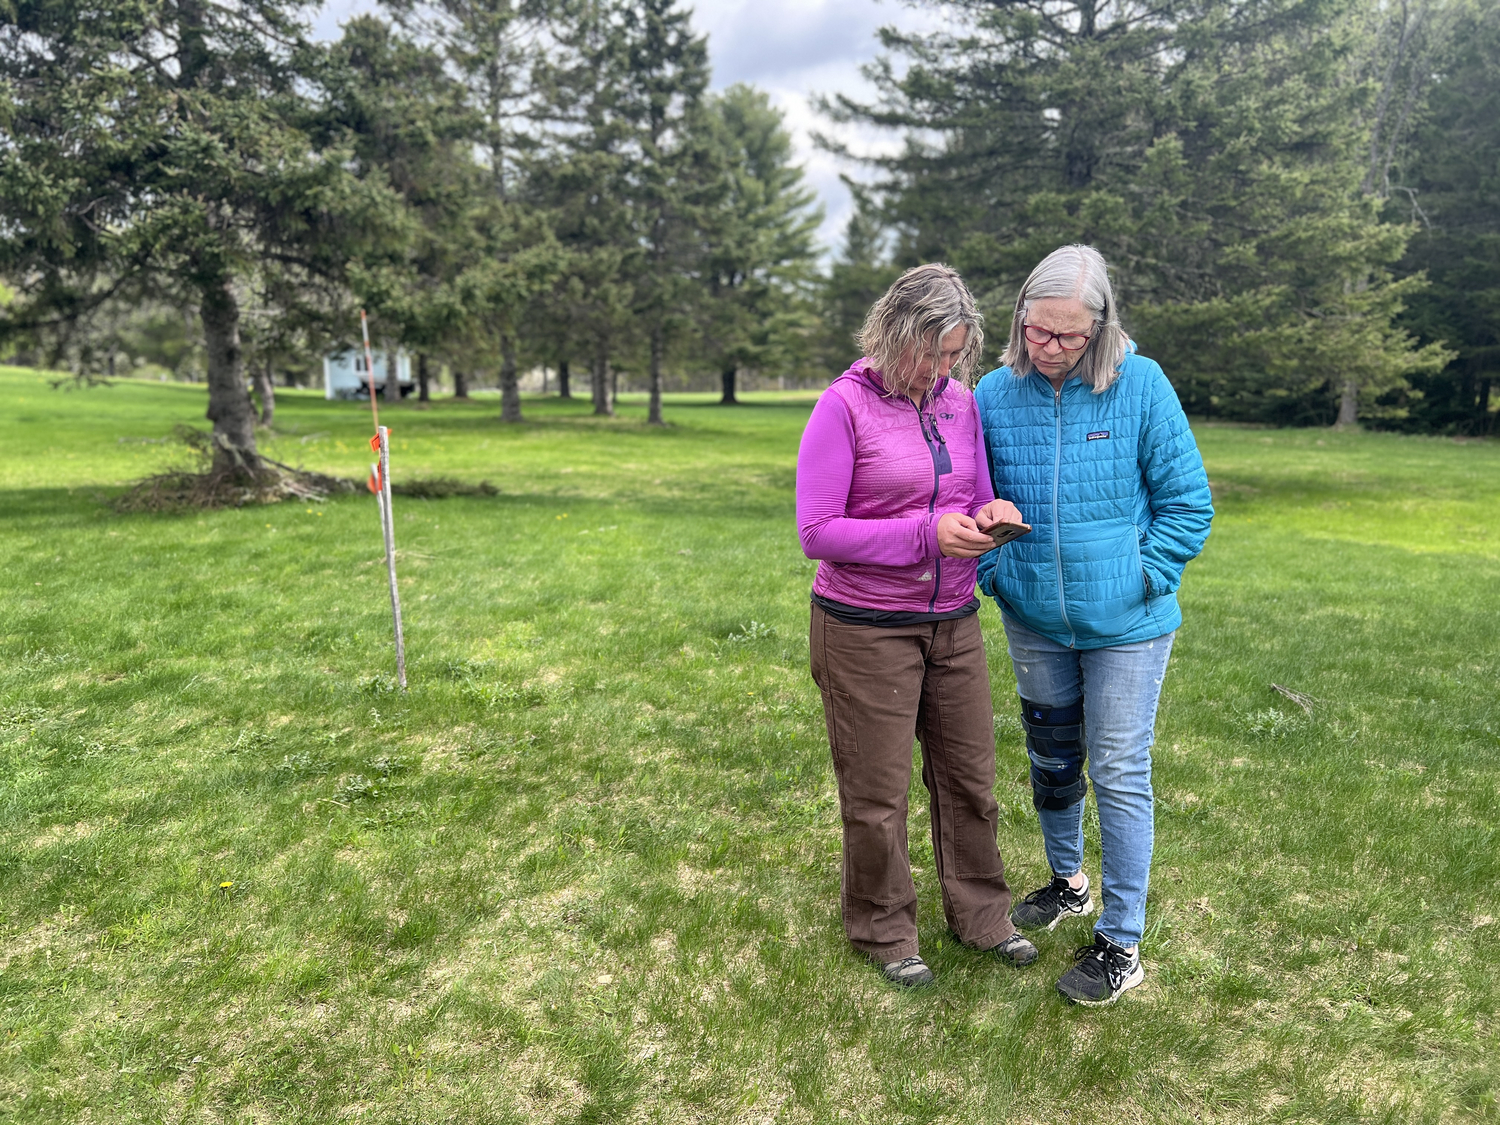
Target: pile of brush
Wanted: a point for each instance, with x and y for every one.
(226, 482)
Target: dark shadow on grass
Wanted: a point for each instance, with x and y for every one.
(86, 505)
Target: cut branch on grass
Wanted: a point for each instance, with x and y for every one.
(1303, 701)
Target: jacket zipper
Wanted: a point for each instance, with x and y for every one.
(1062, 601)
(937, 577)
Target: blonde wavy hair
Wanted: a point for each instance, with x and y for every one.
(1073, 271)
(922, 306)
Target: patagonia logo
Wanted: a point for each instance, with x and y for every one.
(1097, 434)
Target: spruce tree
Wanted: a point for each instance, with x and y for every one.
(497, 50)
(673, 173)
(1213, 151)
(164, 149)
(1447, 182)
(759, 241)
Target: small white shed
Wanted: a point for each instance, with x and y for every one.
(344, 372)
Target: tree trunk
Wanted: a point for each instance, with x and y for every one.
(424, 381)
(599, 373)
(658, 345)
(460, 385)
(510, 394)
(1348, 406)
(229, 405)
(392, 391)
(727, 378)
(563, 390)
(265, 387)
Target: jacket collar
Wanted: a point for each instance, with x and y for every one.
(1045, 384)
(865, 371)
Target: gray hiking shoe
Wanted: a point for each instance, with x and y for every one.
(1047, 906)
(1015, 949)
(909, 972)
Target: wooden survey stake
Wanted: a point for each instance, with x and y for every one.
(382, 474)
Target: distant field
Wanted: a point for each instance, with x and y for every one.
(586, 870)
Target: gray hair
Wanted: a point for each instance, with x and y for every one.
(922, 306)
(1073, 271)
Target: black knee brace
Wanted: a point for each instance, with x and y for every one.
(1054, 740)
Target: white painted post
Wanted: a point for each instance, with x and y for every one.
(388, 526)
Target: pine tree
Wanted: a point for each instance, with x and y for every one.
(497, 49)
(1213, 151)
(580, 177)
(1447, 182)
(163, 149)
(759, 242)
(673, 173)
(406, 120)
(856, 278)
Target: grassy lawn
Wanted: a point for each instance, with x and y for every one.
(587, 868)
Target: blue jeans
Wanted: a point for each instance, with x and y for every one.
(1120, 687)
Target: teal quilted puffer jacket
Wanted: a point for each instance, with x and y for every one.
(1117, 497)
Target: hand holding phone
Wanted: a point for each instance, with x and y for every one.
(1003, 532)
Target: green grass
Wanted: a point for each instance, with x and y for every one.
(586, 869)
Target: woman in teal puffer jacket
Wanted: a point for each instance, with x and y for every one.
(1090, 443)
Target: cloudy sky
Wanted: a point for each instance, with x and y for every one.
(792, 49)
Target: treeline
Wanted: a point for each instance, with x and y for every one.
(1298, 196)
(500, 184)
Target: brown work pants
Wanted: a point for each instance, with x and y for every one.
(883, 688)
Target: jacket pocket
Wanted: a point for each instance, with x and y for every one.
(1106, 588)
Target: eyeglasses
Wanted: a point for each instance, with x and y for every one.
(1067, 341)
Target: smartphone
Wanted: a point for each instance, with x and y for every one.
(1003, 533)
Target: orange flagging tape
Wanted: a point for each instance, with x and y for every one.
(374, 483)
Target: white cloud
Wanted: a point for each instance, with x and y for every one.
(796, 50)
(792, 49)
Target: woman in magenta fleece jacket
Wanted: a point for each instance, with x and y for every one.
(892, 487)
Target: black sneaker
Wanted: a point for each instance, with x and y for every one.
(1049, 905)
(1104, 971)
(909, 972)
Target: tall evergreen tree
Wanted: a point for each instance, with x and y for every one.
(581, 178)
(496, 49)
(1447, 180)
(759, 241)
(406, 120)
(162, 148)
(673, 172)
(856, 278)
(1213, 151)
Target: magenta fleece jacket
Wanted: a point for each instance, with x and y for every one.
(874, 475)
